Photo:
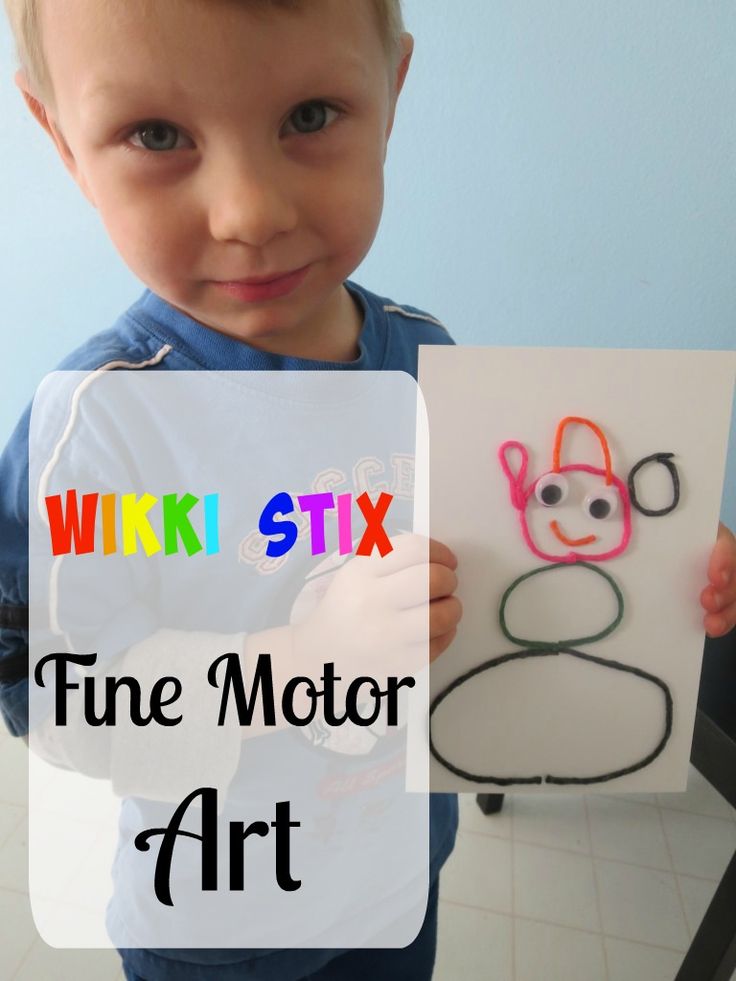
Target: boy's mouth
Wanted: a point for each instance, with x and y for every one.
(258, 288)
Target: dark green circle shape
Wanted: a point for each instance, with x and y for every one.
(557, 645)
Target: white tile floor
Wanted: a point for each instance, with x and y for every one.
(591, 888)
(594, 888)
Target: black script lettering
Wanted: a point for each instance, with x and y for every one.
(233, 681)
(282, 825)
(208, 838)
(111, 687)
(233, 684)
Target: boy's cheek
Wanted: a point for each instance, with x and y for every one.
(359, 212)
(153, 242)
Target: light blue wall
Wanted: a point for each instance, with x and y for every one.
(562, 172)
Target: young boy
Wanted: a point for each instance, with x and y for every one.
(235, 151)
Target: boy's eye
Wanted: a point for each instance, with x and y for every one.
(157, 136)
(311, 117)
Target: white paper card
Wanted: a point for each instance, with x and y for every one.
(534, 452)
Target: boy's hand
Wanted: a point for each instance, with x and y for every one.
(376, 608)
(719, 596)
(445, 609)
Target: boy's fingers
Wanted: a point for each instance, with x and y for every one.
(418, 585)
(718, 624)
(442, 581)
(720, 607)
(440, 644)
(417, 659)
(444, 616)
(406, 550)
(720, 610)
(420, 623)
(409, 550)
(722, 562)
(441, 554)
(710, 600)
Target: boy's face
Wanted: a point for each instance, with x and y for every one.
(223, 143)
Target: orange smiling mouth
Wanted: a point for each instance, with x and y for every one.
(570, 541)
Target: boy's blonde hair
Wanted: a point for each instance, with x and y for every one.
(25, 25)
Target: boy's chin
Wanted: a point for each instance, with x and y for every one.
(268, 327)
(257, 321)
(315, 321)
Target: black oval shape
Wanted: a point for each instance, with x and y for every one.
(552, 778)
(665, 459)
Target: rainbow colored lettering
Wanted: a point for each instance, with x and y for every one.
(74, 531)
(316, 506)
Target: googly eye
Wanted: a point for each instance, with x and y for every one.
(601, 504)
(551, 489)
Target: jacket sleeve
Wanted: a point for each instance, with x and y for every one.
(14, 580)
(130, 757)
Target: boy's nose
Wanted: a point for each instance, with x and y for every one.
(249, 204)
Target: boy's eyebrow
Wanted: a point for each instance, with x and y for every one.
(109, 87)
(346, 62)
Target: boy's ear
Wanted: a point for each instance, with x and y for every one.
(406, 44)
(40, 113)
